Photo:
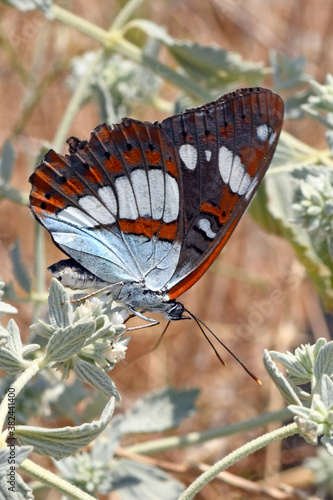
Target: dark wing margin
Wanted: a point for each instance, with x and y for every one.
(225, 148)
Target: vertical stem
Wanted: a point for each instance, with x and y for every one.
(17, 386)
(125, 13)
(40, 258)
(75, 103)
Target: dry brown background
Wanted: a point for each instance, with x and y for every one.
(246, 316)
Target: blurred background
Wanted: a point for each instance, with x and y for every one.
(256, 295)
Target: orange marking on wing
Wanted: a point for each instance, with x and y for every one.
(154, 157)
(133, 157)
(103, 134)
(252, 158)
(41, 179)
(168, 231)
(227, 204)
(57, 201)
(93, 174)
(209, 140)
(149, 228)
(54, 161)
(192, 278)
(43, 207)
(72, 186)
(113, 165)
(171, 168)
(228, 131)
(52, 204)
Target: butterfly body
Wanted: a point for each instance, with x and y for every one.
(146, 207)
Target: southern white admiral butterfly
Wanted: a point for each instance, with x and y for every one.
(145, 208)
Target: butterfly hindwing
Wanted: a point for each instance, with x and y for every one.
(225, 148)
(113, 203)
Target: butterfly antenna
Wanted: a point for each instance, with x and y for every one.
(200, 324)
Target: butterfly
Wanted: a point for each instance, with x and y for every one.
(145, 208)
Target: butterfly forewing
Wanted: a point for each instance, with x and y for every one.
(113, 204)
(225, 148)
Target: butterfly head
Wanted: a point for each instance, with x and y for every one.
(175, 311)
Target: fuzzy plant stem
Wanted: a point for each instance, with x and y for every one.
(17, 386)
(54, 481)
(235, 456)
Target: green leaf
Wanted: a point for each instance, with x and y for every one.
(7, 161)
(299, 374)
(65, 441)
(4, 307)
(323, 365)
(22, 491)
(12, 354)
(95, 376)
(293, 105)
(160, 410)
(14, 342)
(66, 342)
(326, 390)
(214, 66)
(135, 480)
(288, 72)
(300, 411)
(21, 453)
(18, 490)
(210, 65)
(60, 308)
(20, 271)
(281, 187)
(288, 393)
(7, 309)
(320, 104)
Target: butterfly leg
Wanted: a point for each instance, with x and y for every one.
(108, 289)
(152, 322)
(151, 349)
